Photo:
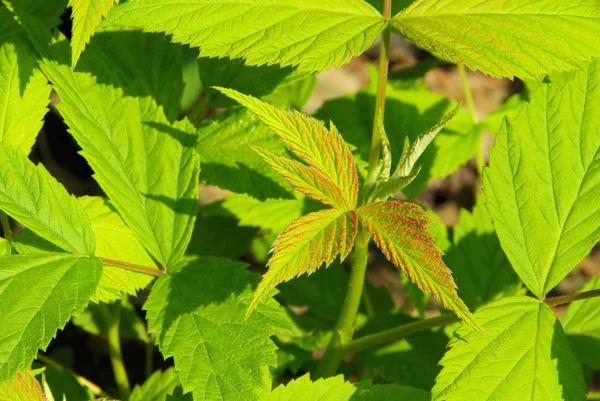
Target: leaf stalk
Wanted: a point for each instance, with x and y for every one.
(471, 106)
(132, 267)
(6, 227)
(116, 356)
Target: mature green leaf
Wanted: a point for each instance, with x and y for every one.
(24, 91)
(154, 191)
(524, 357)
(179, 396)
(99, 317)
(306, 244)
(114, 240)
(62, 381)
(400, 231)
(324, 150)
(293, 93)
(62, 285)
(86, 15)
(409, 361)
(22, 387)
(156, 387)
(409, 113)
(478, 263)
(218, 355)
(228, 161)
(582, 326)
(305, 179)
(542, 186)
(337, 389)
(510, 109)
(5, 248)
(315, 35)
(501, 38)
(34, 198)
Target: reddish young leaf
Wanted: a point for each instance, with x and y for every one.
(400, 231)
(325, 150)
(305, 245)
(306, 179)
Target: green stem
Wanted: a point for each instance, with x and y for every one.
(344, 329)
(396, 333)
(94, 388)
(149, 356)
(384, 64)
(6, 227)
(132, 267)
(116, 357)
(471, 106)
(565, 299)
(594, 395)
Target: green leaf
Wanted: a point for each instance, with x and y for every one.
(315, 35)
(217, 354)
(62, 285)
(478, 263)
(409, 113)
(412, 360)
(86, 15)
(34, 198)
(510, 109)
(5, 248)
(62, 381)
(542, 186)
(228, 161)
(24, 91)
(582, 326)
(337, 389)
(23, 387)
(98, 318)
(306, 244)
(148, 167)
(114, 240)
(524, 357)
(501, 38)
(179, 396)
(400, 231)
(156, 387)
(324, 150)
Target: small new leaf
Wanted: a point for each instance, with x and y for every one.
(312, 240)
(22, 387)
(87, 15)
(324, 150)
(400, 231)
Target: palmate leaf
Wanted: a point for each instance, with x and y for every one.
(34, 198)
(155, 191)
(307, 243)
(400, 231)
(543, 183)
(525, 357)
(337, 389)
(114, 240)
(22, 387)
(218, 355)
(313, 34)
(24, 91)
(502, 38)
(324, 150)
(87, 15)
(62, 285)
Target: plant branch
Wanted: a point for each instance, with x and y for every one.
(94, 388)
(565, 299)
(116, 356)
(396, 333)
(471, 106)
(129, 266)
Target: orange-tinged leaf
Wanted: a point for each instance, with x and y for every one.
(306, 179)
(22, 387)
(323, 149)
(400, 231)
(305, 245)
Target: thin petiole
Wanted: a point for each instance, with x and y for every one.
(132, 267)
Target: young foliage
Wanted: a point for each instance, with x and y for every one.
(33, 197)
(87, 15)
(314, 34)
(156, 387)
(501, 38)
(400, 231)
(542, 187)
(22, 387)
(524, 357)
(218, 354)
(5, 248)
(63, 284)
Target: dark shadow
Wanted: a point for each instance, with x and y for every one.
(220, 236)
(184, 206)
(186, 139)
(586, 348)
(570, 375)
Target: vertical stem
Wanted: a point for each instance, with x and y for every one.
(6, 227)
(471, 106)
(344, 329)
(149, 356)
(384, 63)
(116, 357)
